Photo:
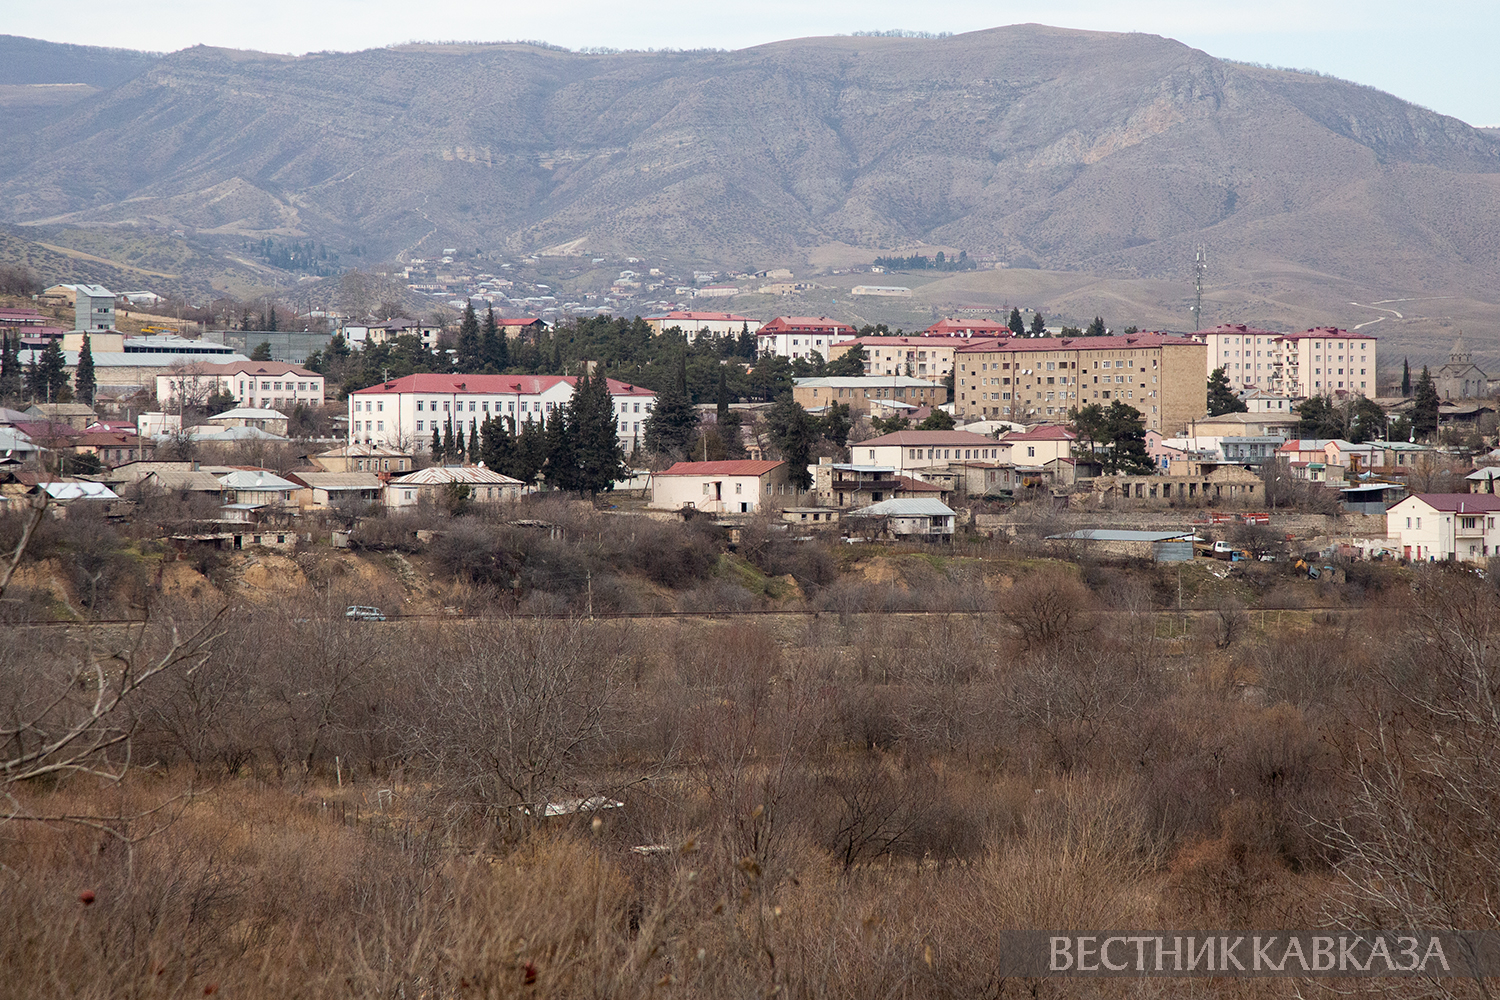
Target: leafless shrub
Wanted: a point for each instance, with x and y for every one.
(1046, 608)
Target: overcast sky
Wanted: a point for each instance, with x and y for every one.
(1438, 54)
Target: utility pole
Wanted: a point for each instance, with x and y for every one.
(1200, 267)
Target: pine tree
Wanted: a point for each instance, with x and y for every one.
(673, 420)
(10, 368)
(1096, 328)
(598, 456)
(1406, 378)
(1017, 324)
(53, 374)
(498, 448)
(1221, 398)
(271, 318)
(35, 385)
(492, 346)
(437, 445)
(1424, 411)
(84, 383)
(468, 357)
(1038, 325)
(531, 451)
(262, 351)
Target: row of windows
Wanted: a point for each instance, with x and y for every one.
(938, 453)
(1052, 365)
(276, 387)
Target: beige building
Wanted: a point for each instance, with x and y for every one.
(1225, 482)
(1322, 361)
(923, 357)
(274, 385)
(1031, 380)
(437, 482)
(860, 393)
(363, 458)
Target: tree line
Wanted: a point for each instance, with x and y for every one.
(44, 379)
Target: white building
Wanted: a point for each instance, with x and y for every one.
(693, 323)
(924, 357)
(914, 451)
(403, 412)
(272, 385)
(1436, 527)
(800, 336)
(1318, 362)
(720, 487)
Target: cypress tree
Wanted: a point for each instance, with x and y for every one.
(53, 374)
(10, 368)
(447, 440)
(84, 383)
(1406, 378)
(468, 341)
(1424, 411)
(561, 467)
(1017, 324)
(673, 420)
(460, 450)
(600, 459)
(1038, 325)
(437, 445)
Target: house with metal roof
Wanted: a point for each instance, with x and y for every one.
(438, 481)
(909, 518)
(256, 487)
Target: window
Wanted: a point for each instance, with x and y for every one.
(739, 488)
(419, 425)
(380, 407)
(707, 487)
(419, 406)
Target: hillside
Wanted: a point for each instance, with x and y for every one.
(1109, 155)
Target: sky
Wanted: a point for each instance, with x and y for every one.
(1436, 54)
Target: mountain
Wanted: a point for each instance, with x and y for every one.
(1106, 154)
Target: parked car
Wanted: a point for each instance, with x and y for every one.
(362, 613)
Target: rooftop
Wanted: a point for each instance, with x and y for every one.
(742, 468)
(927, 439)
(493, 385)
(905, 507)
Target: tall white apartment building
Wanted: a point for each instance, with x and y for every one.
(1317, 362)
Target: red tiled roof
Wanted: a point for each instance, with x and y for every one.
(1239, 329)
(744, 468)
(804, 324)
(946, 327)
(1122, 342)
(927, 439)
(1479, 503)
(910, 485)
(915, 340)
(705, 317)
(1324, 332)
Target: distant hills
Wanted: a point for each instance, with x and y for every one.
(1112, 155)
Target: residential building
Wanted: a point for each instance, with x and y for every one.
(437, 482)
(1318, 362)
(272, 385)
(1218, 483)
(516, 327)
(967, 328)
(716, 292)
(694, 323)
(918, 451)
(1031, 379)
(404, 326)
(115, 449)
(841, 484)
(273, 421)
(1438, 527)
(257, 488)
(93, 308)
(363, 458)
(882, 291)
(923, 357)
(912, 518)
(1040, 445)
(403, 412)
(1259, 400)
(859, 392)
(975, 479)
(722, 487)
(1269, 425)
(331, 489)
(76, 415)
(1353, 458)
(800, 336)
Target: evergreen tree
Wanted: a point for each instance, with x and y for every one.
(262, 351)
(448, 452)
(792, 431)
(938, 420)
(498, 448)
(10, 368)
(437, 445)
(270, 322)
(492, 346)
(850, 364)
(531, 451)
(1424, 411)
(1096, 328)
(1127, 433)
(598, 456)
(460, 450)
(1221, 398)
(1317, 417)
(468, 357)
(1406, 378)
(838, 421)
(1017, 324)
(671, 424)
(84, 383)
(1038, 325)
(34, 384)
(52, 373)
(746, 347)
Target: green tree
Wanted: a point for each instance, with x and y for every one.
(1127, 441)
(436, 447)
(673, 420)
(1367, 421)
(1424, 410)
(262, 351)
(10, 368)
(1221, 398)
(84, 382)
(850, 364)
(497, 448)
(50, 383)
(218, 401)
(937, 420)
(460, 449)
(1038, 325)
(1317, 417)
(836, 423)
(494, 346)
(1406, 378)
(598, 456)
(467, 356)
(1096, 328)
(1017, 324)
(792, 431)
(889, 425)
(448, 453)
(561, 467)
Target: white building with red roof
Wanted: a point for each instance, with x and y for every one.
(800, 336)
(919, 356)
(269, 385)
(1323, 361)
(1438, 527)
(1040, 445)
(403, 412)
(693, 322)
(967, 328)
(721, 487)
(916, 451)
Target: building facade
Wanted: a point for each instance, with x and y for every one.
(916, 451)
(721, 487)
(1438, 527)
(1033, 379)
(1322, 361)
(922, 357)
(270, 385)
(800, 336)
(692, 323)
(860, 393)
(403, 412)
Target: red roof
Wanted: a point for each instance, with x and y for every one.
(1046, 432)
(1123, 342)
(1324, 332)
(272, 368)
(745, 468)
(519, 321)
(1239, 330)
(910, 485)
(804, 324)
(493, 385)
(955, 327)
(912, 341)
(705, 317)
(927, 439)
(101, 439)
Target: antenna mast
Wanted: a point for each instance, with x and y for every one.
(1200, 267)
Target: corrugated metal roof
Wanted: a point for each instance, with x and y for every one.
(905, 507)
(78, 491)
(341, 480)
(441, 475)
(259, 479)
(1120, 535)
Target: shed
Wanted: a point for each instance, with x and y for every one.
(1161, 546)
(911, 517)
(1370, 498)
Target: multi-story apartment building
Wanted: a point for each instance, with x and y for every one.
(1031, 380)
(922, 357)
(269, 385)
(1318, 362)
(403, 412)
(799, 336)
